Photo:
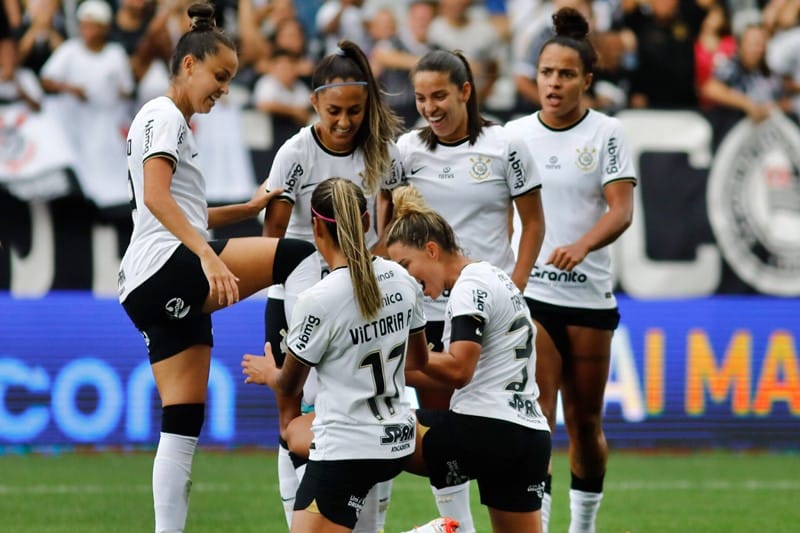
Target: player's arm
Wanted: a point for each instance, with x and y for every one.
(276, 219)
(455, 367)
(417, 352)
(531, 214)
(619, 196)
(230, 214)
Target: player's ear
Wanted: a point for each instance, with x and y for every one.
(432, 249)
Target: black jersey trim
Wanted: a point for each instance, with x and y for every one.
(300, 359)
(534, 188)
(467, 328)
(165, 155)
(412, 331)
(626, 178)
(539, 118)
(452, 144)
(328, 150)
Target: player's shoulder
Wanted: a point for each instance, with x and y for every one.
(600, 120)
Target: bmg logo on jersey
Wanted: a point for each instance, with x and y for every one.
(148, 135)
(295, 174)
(176, 308)
(479, 298)
(399, 436)
(613, 156)
(309, 323)
(518, 168)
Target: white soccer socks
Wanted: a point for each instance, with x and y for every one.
(454, 502)
(583, 507)
(287, 482)
(172, 469)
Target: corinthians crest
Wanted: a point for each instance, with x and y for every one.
(480, 168)
(753, 202)
(587, 160)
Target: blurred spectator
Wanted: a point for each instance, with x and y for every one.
(41, 32)
(783, 54)
(257, 23)
(342, 19)
(92, 80)
(130, 23)
(290, 35)
(10, 19)
(281, 94)
(612, 75)
(459, 27)
(392, 58)
(714, 45)
(744, 82)
(666, 31)
(525, 66)
(20, 89)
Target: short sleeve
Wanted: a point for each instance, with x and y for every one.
(308, 335)
(395, 177)
(288, 172)
(418, 320)
(163, 131)
(522, 174)
(470, 297)
(617, 160)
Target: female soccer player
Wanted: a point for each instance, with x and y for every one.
(171, 277)
(588, 181)
(353, 138)
(355, 327)
(470, 171)
(494, 431)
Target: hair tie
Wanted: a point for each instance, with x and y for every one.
(339, 84)
(340, 51)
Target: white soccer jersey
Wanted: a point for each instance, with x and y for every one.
(504, 383)
(160, 130)
(303, 162)
(361, 409)
(472, 187)
(575, 164)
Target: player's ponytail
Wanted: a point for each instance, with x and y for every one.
(415, 224)
(572, 30)
(202, 39)
(341, 205)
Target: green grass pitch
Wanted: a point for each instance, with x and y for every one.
(236, 491)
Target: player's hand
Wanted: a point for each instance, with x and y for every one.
(260, 369)
(261, 198)
(223, 285)
(568, 257)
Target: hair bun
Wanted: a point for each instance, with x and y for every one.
(202, 17)
(568, 22)
(408, 200)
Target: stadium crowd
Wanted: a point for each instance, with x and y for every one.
(88, 66)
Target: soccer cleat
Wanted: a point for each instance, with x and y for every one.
(437, 525)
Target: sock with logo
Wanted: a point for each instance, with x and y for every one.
(547, 501)
(172, 469)
(453, 502)
(368, 516)
(585, 496)
(287, 481)
(384, 497)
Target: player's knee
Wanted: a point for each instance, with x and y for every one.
(183, 419)
(289, 253)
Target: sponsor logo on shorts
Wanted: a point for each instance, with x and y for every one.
(176, 308)
(559, 276)
(355, 502)
(538, 488)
